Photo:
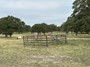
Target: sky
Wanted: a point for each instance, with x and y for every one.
(37, 11)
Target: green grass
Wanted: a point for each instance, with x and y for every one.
(76, 53)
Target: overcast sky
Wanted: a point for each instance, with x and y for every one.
(37, 11)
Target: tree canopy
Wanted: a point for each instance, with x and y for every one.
(43, 28)
(79, 21)
(10, 24)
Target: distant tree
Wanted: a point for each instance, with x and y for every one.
(52, 27)
(59, 28)
(36, 28)
(67, 26)
(20, 26)
(81, 16)
(40, 28)
(27, 28)
(10, 24)
(45, 28)
(79, 21)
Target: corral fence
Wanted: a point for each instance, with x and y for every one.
(44, 39)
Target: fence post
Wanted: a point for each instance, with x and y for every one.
(65, 38)
(56, 39)
(46, 41)
(23, 41)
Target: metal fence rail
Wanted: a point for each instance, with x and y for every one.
(44, 39)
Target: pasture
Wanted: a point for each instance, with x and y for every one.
(76, 53)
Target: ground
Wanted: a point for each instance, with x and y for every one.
(76, 53)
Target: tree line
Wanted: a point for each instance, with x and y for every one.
(11, 24)
(44, 28)
(79, 21)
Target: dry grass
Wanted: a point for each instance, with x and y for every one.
(76, 53)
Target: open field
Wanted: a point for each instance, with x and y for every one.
(76, 53)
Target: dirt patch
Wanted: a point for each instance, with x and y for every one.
(46, 59)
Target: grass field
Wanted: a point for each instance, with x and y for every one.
(76, 53)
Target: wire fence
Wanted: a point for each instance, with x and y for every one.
(44, 39)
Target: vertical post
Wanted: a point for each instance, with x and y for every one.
(27, 38)
(46, 41)
(57, 39)
(33, 40)
(65, 38)
(23, 41)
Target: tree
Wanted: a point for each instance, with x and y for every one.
(40, 28)
(81, 13)
(45, 28)
(53, 27)
(36, 28)
(67, 26)
(10, 24)
(59, 28)
(20, 26)
(27, 28)
(79, 21)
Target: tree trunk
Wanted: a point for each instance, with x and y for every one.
(76, 33)
(10, 34)
(6, 35)
(44, 34)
